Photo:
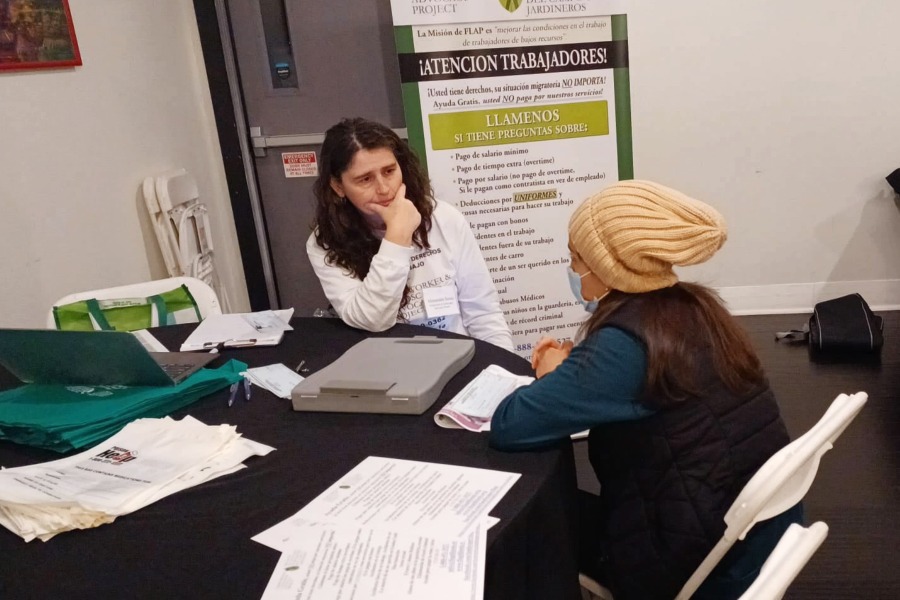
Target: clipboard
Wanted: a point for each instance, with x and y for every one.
(231, 331)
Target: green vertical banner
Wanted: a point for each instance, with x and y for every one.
(520, 109)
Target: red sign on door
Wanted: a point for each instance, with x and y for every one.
(300, 164)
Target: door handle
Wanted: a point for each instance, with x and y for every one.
(261, 142)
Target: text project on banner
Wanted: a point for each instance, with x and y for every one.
(520, 111)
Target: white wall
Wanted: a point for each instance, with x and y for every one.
(76, 143)
(786, 117)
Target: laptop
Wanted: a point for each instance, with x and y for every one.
(92, 358)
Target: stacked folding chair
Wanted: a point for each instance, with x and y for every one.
(182, 228)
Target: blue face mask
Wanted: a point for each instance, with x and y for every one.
(575, 284)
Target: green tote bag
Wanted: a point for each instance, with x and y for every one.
(128, 314)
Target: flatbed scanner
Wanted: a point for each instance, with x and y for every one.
(385, 375)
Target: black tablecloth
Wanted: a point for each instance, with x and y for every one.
(196, 543)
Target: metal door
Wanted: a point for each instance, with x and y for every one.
(302, 67)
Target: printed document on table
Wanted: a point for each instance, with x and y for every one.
(345, 561)
(105, 480)
(446, 500)
(473, 407)
(270, 319)
(148, 341)
(116, 476)
(277, 378)
(264, 328)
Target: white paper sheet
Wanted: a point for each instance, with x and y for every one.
(270, 320)
(473, 407)
(277, 378)
(148, 341)
(147, 460)
(356, 563)
(264, 328)
(444, 500)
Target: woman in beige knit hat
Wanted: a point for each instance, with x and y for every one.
(679, 409)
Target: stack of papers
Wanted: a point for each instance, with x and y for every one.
(148, 460)
(473, 407)
(389, 529)
(69, 417)
(264, 328)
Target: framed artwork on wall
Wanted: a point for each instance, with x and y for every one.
(37, 34)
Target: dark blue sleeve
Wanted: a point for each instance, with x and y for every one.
(600, 382)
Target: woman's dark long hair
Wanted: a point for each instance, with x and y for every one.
(683, 326)
(340, 229)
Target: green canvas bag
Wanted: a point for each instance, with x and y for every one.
(128, 314)
(68, 417)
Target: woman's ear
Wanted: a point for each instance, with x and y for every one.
(337, 187)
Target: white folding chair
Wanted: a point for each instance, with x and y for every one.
(779, 484)
(787, 559)
(165, 234)
(204, 296)
(181, 223)
(591, 590)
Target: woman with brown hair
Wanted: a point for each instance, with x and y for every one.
(679, 410)
(385, 251)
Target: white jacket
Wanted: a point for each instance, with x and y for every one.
(454, 259)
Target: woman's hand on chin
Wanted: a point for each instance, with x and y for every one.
(401, 218)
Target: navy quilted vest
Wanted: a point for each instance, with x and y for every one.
(667, 480)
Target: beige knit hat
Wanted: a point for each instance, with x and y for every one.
(631, 234)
